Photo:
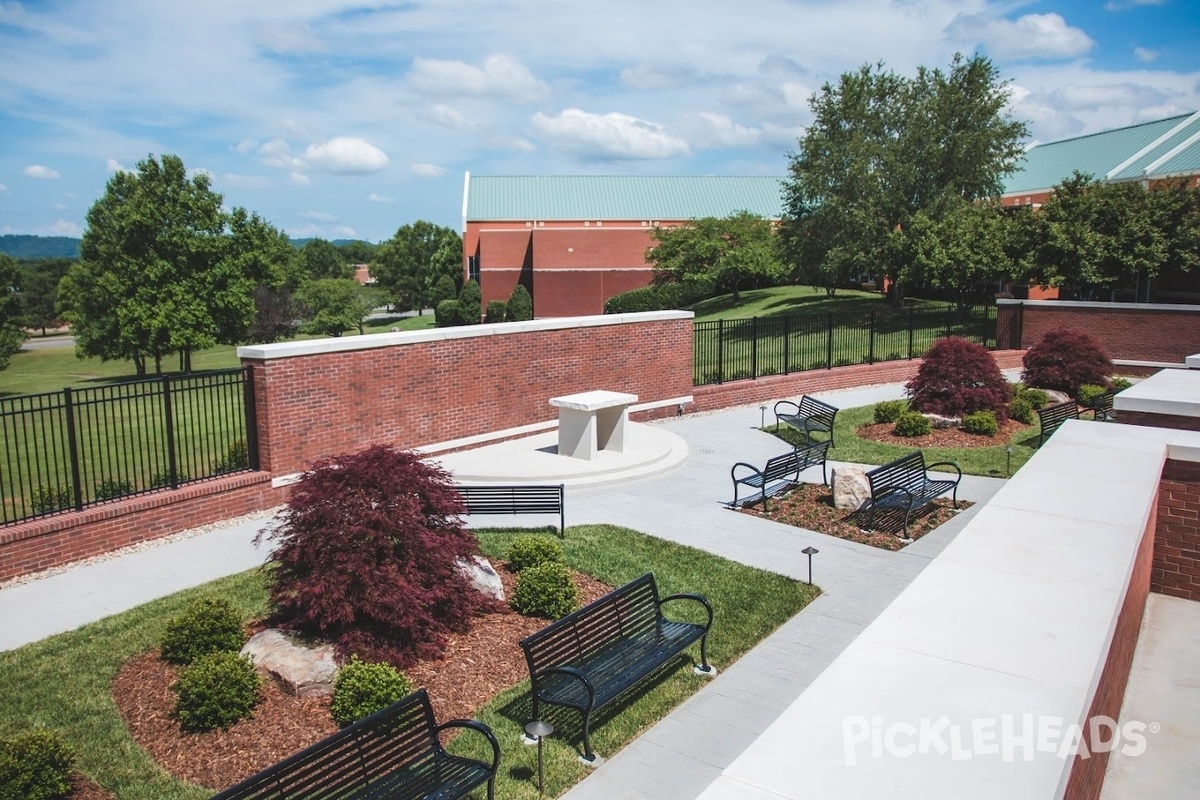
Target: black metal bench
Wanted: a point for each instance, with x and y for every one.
(506, 499)
(808, 415)
(1051, 418)
(393, 754)
(592, 656)
(780, 471)
(1102, 406)
(905, 485)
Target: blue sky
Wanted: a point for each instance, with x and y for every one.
(349, 119)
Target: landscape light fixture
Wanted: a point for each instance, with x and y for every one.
(762, 420)
(810, 551)
(1008, 461)
(538, 729)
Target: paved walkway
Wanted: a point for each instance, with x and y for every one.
(682, 754)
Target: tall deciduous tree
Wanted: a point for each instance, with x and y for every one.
(11, 335)
(322, 259)
(408, 265)
(335, 305)
(269, 311)
(962, 253)
(884, 147)
(733, 252)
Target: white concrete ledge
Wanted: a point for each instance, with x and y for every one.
(1172, 391)
(1129, 362)
(1098, 304)
(1193, 362)
(344, 344)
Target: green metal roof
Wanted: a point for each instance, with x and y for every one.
(618, 197)
(1152, 149)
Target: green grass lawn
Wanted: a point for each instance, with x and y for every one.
(991, 462)
(63, 682)
(777, 301)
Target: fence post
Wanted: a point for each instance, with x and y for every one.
(73, 447)
(720, 351)
(251, 416)
(754, 347)
(829, 343)
(169, 419)
(912, 321)
(871, 339)
(787, 361)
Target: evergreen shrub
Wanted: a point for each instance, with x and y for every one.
(496, 311)
(530, 551)
(1020, 410)
(207, 625)
(545, 590)
(216, 691)
(447, 314)
(35, 766)
(912, 423)
(520, 304)
(361, 688)
(470, 301)
(888, 410)
(981, 423)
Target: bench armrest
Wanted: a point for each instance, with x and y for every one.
(570, 672)
(481, 728)
(699, 598)
(753, 471)
(785, 403)
(929, 468)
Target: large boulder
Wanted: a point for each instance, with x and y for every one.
(850, 487)
(482, 576)
(302, 667)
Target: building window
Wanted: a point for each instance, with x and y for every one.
(473, 268)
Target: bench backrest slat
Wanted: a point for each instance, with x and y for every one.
(906, 472)
(815, 409)
(535, 499)
(626, 611)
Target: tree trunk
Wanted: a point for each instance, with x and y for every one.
(139, 365)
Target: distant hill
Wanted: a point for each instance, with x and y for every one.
(23, 247)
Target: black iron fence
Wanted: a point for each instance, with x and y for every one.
(734, 349)
(67, 450)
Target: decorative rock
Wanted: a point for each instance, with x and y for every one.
(303, 668)
(483, 576)
(939, 422)
(850, 487)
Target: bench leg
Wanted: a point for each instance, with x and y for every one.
(588, 757)
(705, 668)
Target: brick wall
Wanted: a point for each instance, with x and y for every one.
(426, 388)
(1177, 538)
(568, 293)
(1087, 774)
(61, 539)
(1127, 331)
(1175, 421)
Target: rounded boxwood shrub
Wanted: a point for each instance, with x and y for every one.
(1035, 397)
(361, 688)
(448, 314)
(216, 691)
(888, 410)
(529, 551)
(1120, 384)
(208, 625)
(912, 423)
(1064, 360)
(1088, 394)
(957, 377)
(545, 590)
(35, 766)
(496, 311)
(981, 423)
(1020, 410)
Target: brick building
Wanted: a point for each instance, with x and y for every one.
(574, 241)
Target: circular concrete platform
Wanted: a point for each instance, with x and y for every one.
(650, 450)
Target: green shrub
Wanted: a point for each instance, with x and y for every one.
(237, 457)
(111, 488)
(1020, 410)
(1088, 394)
(361, 688)
(844, 362)
(35, 766)
(443, 289)
(496, 311)
(1120, 384)
(216, 691)
(545, 591)
(1035, 397)
(912, 423)
(162, 480)
(530, 551)
(981, 423)
(51, 498)
(889, 410)
(520, 304)
(208, 625)
(448, 314)
(470, 301)
(660, 297)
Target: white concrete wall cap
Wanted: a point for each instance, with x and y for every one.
(1095, 304)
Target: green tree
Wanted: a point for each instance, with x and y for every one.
(444, 289)
(269, 311)
(151, 279)
(357, 252)
(962, 253)
(335, 305)
(882, 148)
(734, 252)
(408, 265)
(39, 292)
(11, 335)
(322, 259)
(470, 303)
(520, 304)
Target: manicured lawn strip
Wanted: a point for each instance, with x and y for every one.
(64, 682)
(782, 300)
(985, 461)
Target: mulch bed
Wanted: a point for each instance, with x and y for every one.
(942, 437)
(810, 506)
(475, 666)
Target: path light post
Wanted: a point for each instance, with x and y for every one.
(1008, 461)
(810, 551)
(762, 419)
(538, 729)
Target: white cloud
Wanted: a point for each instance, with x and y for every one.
(243, 181)
(344, 232)
(346, 155)
(427, 170)
(1145, 54)
(1122, 5)
(61, 206)
(299, 179)
(289, 39)
(208, 173)
(112, 165)
(245, 146)
(3, 189)
(379, 198)
(43, 173)
(708, 129)
(647, 76)
(318, 216)
(1030, 36)
(500, 76)
(62, 227)
(451, 118)
(278, 153)
(611, 135)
